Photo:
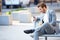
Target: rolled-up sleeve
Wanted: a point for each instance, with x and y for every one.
(40, 17)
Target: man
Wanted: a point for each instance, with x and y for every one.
(48, 22)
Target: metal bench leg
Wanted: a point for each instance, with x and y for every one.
(45, 38)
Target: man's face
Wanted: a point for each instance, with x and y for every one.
(42, 9)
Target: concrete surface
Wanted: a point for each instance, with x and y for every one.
(15, 32)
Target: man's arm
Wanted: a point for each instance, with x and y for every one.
(53, 18)
(36, 19)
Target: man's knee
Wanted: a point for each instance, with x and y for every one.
(46, 24)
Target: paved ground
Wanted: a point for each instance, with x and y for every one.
(15, 32)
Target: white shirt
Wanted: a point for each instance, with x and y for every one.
(46, 17)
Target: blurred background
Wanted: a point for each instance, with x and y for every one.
(15, 8)
(17, 16)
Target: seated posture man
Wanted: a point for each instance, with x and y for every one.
(48, 18)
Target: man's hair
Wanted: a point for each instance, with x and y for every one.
(42, 5)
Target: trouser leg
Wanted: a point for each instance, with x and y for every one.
(46, 27)
(36, 36)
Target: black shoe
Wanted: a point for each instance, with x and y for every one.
(29, 31)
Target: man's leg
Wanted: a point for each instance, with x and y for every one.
(36, 35)
(45, 28)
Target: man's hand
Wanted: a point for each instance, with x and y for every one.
(34, 18)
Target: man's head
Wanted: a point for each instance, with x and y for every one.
(42, 7)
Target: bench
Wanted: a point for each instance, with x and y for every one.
(50, 35)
